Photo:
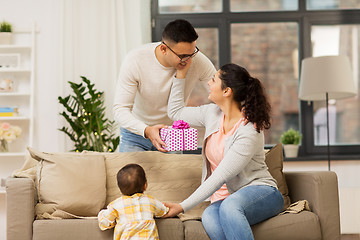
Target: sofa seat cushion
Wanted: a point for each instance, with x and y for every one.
(74, 229)
(304, 225)
(300, 226)
(69, 229)
(194, 230)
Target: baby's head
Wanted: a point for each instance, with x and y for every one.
(131, 179)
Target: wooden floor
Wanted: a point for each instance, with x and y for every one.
(350, 237)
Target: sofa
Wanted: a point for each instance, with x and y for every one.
(57, 195)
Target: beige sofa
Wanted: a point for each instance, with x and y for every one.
(171, 177)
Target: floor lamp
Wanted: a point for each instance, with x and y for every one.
(324, 78)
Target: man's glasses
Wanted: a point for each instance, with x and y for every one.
(184, 57)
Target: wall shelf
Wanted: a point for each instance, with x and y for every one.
(14, 70)
(13, 154)
(15, 94)
(22, 96)
(14, 118)
(15, 47)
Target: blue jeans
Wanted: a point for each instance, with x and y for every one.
(131, 142)
(231, 218)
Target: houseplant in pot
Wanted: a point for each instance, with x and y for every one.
(87, 127)
(5, 33)
(291, 140)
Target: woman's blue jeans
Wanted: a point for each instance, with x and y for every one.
(232, 217)
(131, 142)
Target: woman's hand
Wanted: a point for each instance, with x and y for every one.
(183, 68)
(174, 209)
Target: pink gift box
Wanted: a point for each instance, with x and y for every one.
(179, 139)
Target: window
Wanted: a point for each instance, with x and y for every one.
(332, 4)
(344, 115)
(269, 52)
(270, 38)
(262, 5)
(189, 6)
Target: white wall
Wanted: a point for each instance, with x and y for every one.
(46, 13)
(51, 81)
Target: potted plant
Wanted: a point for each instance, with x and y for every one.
(291, 140)
(5, 33)
(84, 111)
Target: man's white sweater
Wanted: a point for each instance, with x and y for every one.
(143, 87)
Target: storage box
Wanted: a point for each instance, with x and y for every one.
(179, 139)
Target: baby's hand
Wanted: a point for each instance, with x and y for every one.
(174, 209)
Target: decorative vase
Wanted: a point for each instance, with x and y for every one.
(291, 150)
(4, 146)
(5, 38)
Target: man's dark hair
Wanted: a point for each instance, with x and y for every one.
(131, 179)
(179, 30)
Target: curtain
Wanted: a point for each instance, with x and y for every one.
(96, 35)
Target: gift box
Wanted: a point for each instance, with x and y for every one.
(179, 137)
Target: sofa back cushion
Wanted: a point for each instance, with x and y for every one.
(70, 182)
(174, 177)
(171, 177)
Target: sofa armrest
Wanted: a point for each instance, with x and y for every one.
(321, 190)
(20, 208)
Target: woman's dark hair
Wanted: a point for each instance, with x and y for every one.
(131, 179)
(179, 30)
(249, 93)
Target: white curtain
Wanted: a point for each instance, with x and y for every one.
(96, 35)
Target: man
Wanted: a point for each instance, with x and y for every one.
(145, 80)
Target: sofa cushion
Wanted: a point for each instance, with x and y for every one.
(194, 230)
(300, 226)
(74, 183)
(74, 229)
(274, 161)
(69, 229)
(171, 177)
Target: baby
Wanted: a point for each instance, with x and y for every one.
(133, 213)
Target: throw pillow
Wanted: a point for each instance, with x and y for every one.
(171, 177)
(70, 182)
(274, 161)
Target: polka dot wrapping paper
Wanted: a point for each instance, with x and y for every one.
(179, 139)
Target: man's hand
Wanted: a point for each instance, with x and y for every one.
(153, 133)
(182, 70)
(174, 209)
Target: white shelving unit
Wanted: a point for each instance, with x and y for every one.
(22, 96)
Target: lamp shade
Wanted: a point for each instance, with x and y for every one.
(326, 74)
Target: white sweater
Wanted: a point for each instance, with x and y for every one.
(143, 87)
(244, 158)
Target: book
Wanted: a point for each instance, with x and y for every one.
(8, 111)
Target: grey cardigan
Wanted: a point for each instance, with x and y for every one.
(244, 159)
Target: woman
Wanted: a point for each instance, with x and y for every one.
(235, 176)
